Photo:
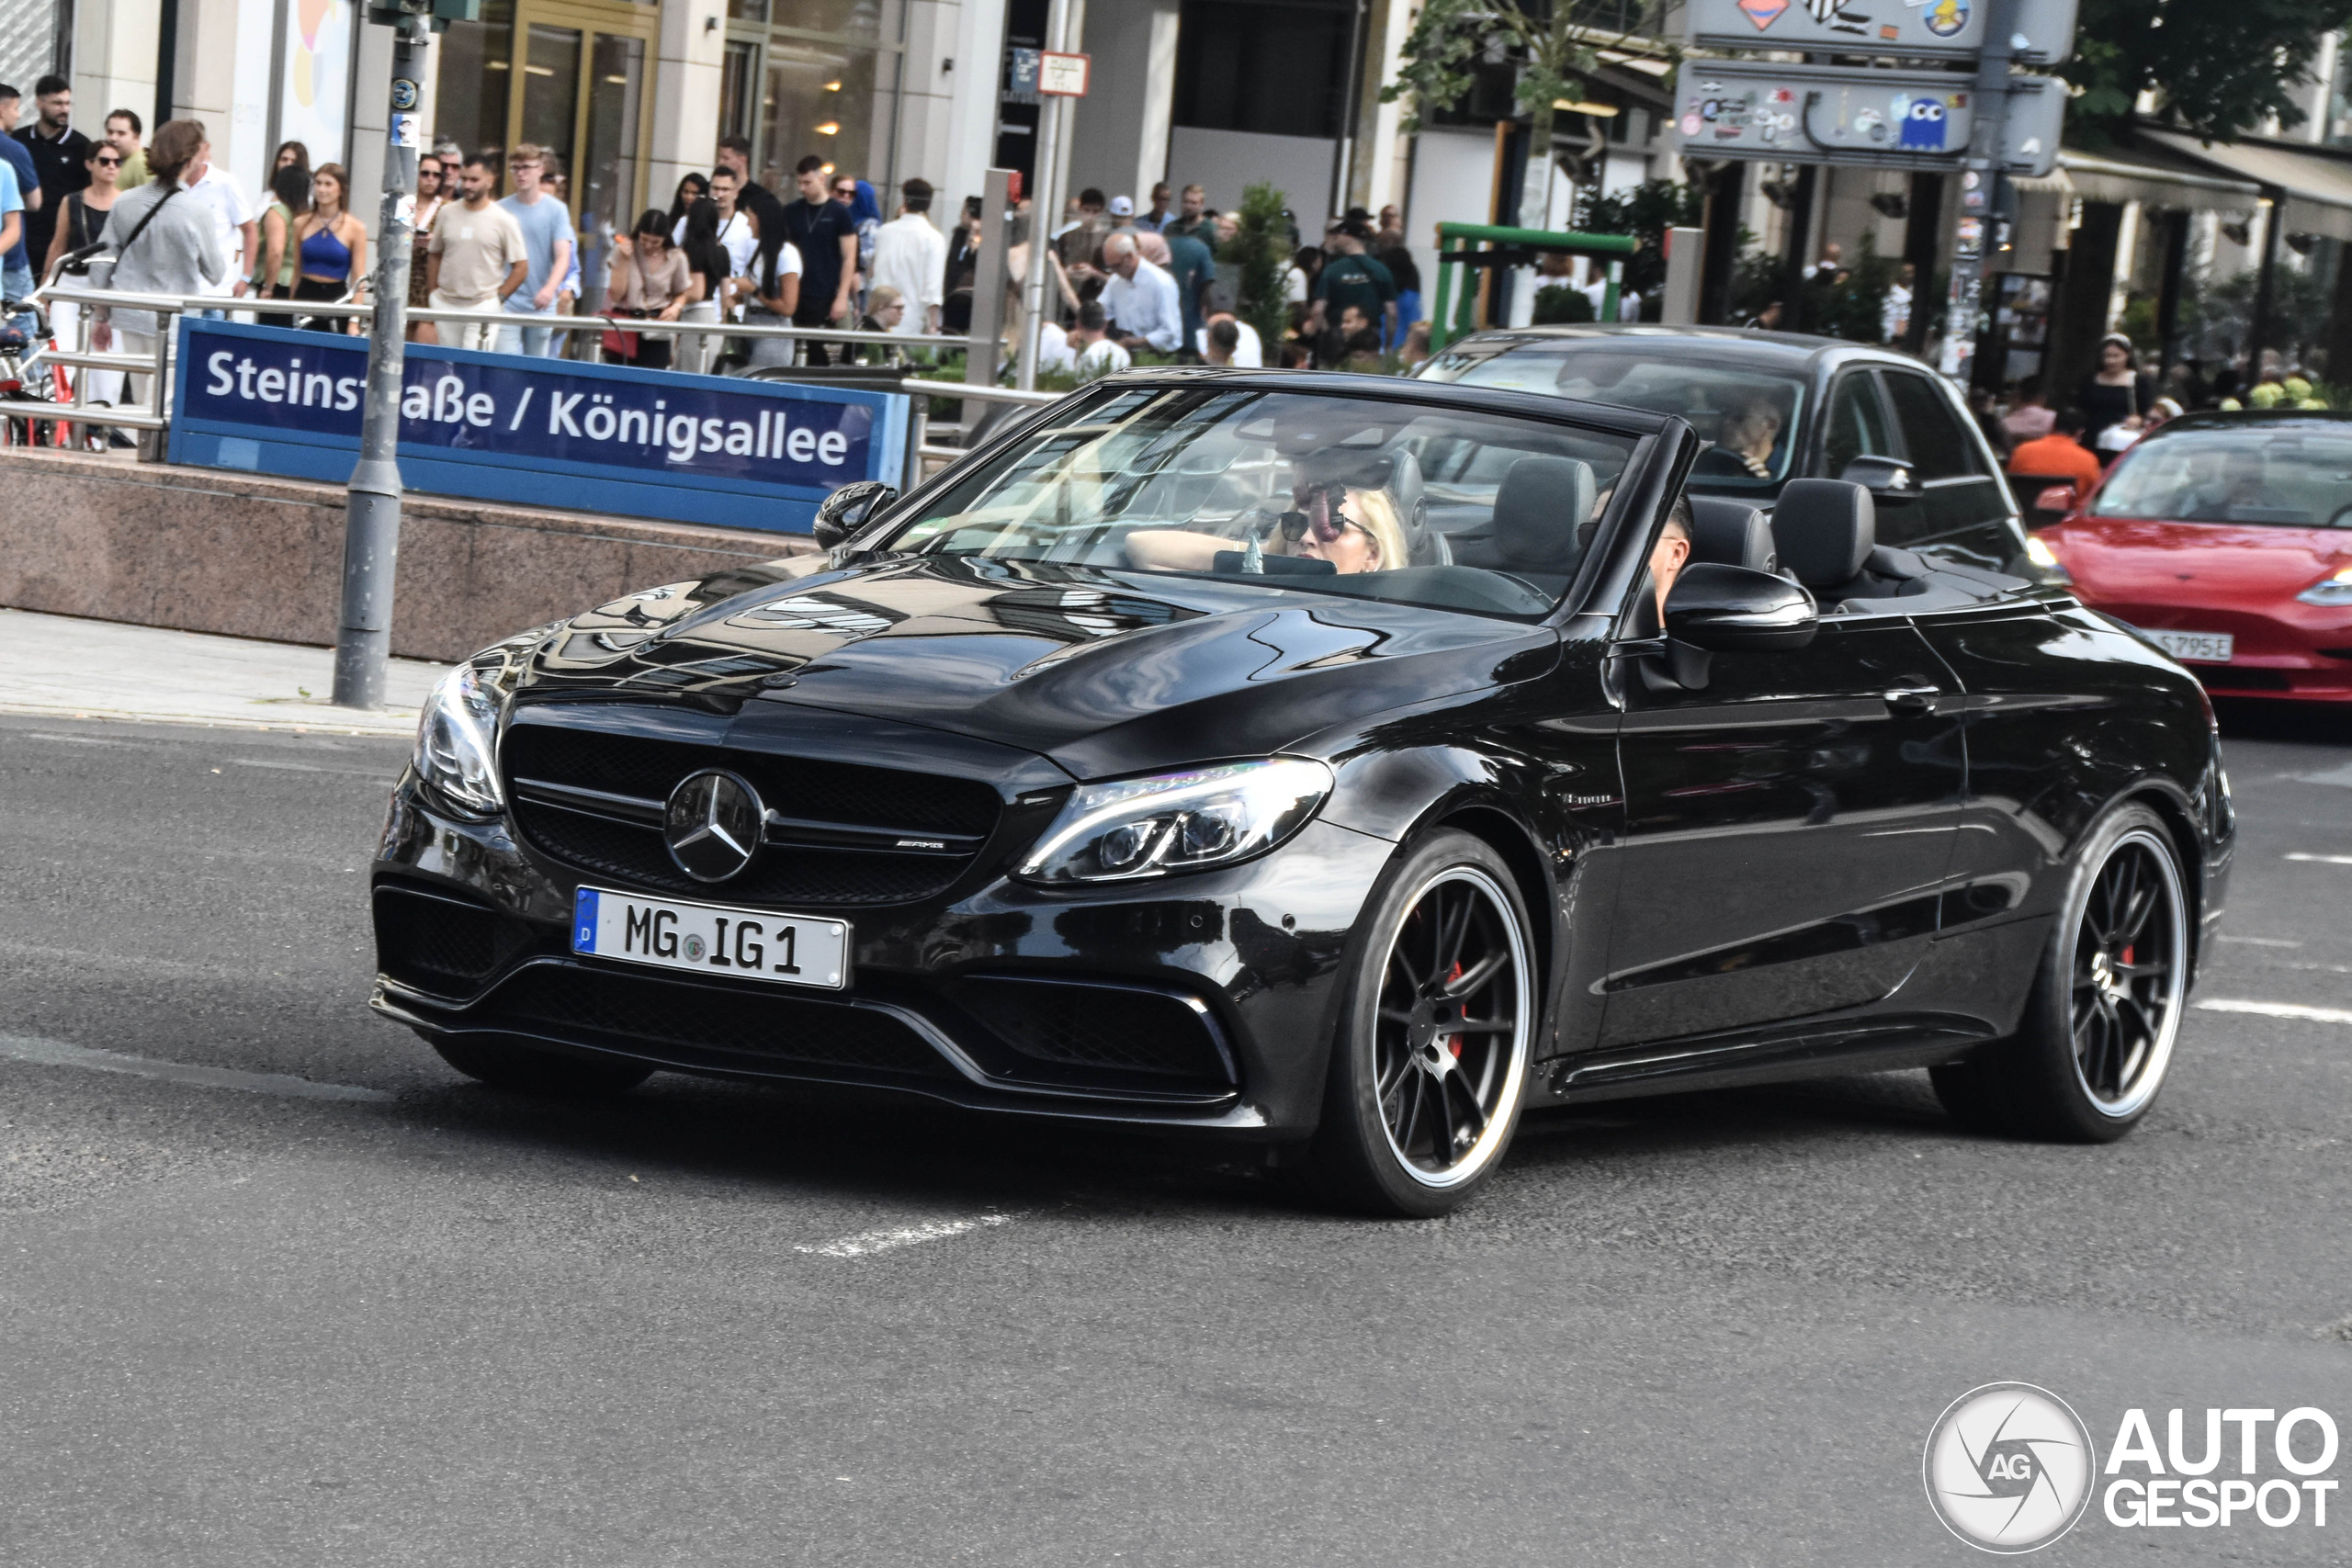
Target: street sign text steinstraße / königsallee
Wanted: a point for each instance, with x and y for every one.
(1910, 30)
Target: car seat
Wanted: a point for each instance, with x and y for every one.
(1826, 532)
(1731, 532)
(1539, 509)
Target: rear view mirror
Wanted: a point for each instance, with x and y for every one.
(846, 511)
(1727, 609)
(1887, 478)
(2057, 499)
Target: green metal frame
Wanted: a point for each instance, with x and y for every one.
(1455, 244)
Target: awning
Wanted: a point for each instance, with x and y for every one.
(2314, 186)
(2154, 179)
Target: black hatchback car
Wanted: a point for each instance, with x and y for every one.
(1166, 763)
(1771, 407)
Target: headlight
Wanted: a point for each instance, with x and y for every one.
(457, 742)
(2037, 551)
(2331, 591)
(1188, 821)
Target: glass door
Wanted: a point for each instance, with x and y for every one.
(609, 187)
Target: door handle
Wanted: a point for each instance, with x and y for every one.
(1912, 699)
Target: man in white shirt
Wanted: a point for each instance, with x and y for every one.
(1248, 351)
(233, 222)
(911, 257)
(1140, 299)
(1090, 341)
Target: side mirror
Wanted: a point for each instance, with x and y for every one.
(2056, 498)
(845, 510)
(1728, 609)
(1887, 478)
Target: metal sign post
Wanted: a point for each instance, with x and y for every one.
(1061, 79)
(371, 526)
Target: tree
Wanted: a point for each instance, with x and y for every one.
(2220, 67)
(1645, 213)
(1260, 247)
(1556, 45)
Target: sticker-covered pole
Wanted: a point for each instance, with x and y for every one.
(1974, 242)
(371, 528)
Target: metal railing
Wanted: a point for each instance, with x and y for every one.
(150, 416)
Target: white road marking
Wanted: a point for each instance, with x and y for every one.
(381, 776)
(867, 1243)
(59, 1054)
(2262, 940)
(2279, 1009)
(2320, 860)
(2342, 775)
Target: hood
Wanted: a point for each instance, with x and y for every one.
(1104, 672)
(2201, 563)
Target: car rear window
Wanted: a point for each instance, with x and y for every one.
(2295, 477)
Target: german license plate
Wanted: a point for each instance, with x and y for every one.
(2194, 648)
(745, 944)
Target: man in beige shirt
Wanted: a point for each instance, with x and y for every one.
(477, 260)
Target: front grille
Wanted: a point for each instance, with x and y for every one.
(1120, 1029)
(594, 1006)
(818, 795)
(441, 945)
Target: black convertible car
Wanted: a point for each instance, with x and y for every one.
(1337, 764)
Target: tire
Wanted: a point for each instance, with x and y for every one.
(521, 1068)
(1416, 1117)
(2104, 1015)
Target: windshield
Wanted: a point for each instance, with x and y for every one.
(1333, 495)
(1747, 418)
(2297, 476)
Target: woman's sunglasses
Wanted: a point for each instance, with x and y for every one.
(107, 162)
(1296, 524)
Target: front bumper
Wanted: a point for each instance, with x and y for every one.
(1203, 1001)
(2301, 652)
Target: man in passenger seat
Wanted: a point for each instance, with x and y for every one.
(1667, 557)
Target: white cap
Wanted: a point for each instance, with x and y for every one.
(1123, 206)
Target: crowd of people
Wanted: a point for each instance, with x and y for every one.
(728, 250)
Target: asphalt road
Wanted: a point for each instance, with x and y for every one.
(277, 1286)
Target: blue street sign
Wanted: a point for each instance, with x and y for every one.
(603, 438)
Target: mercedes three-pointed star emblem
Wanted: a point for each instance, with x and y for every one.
(712, 825)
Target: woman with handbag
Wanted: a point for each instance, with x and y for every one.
(650, 281)
(162, 245)
(80, 225)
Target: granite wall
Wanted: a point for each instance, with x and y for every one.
(202, 549)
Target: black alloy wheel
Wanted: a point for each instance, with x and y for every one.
(2099, 1032)
(1430, 1064)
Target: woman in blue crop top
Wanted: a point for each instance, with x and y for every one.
(334, 249)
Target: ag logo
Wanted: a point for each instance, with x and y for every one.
(2008, 1468)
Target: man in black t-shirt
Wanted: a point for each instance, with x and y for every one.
(60, 156)
(827, 237)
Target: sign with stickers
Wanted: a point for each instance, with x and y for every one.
(1920, 29)
(1896, 120)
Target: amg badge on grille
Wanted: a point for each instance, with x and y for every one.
(712, 825)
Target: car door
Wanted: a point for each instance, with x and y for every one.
(1963, 507)
(1786, 825)
(1855, 423)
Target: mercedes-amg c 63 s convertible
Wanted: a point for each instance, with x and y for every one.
(1335, 765)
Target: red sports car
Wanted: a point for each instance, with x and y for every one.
(2226, 538)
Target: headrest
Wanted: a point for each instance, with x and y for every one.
(1825, 529)
(1538, 508)
(1731, 533)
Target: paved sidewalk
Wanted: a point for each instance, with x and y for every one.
(62, 667)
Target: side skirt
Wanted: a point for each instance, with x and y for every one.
(1882, 1043)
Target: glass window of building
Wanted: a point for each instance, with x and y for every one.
(812, 76)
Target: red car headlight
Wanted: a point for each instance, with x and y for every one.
(2331, 591)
